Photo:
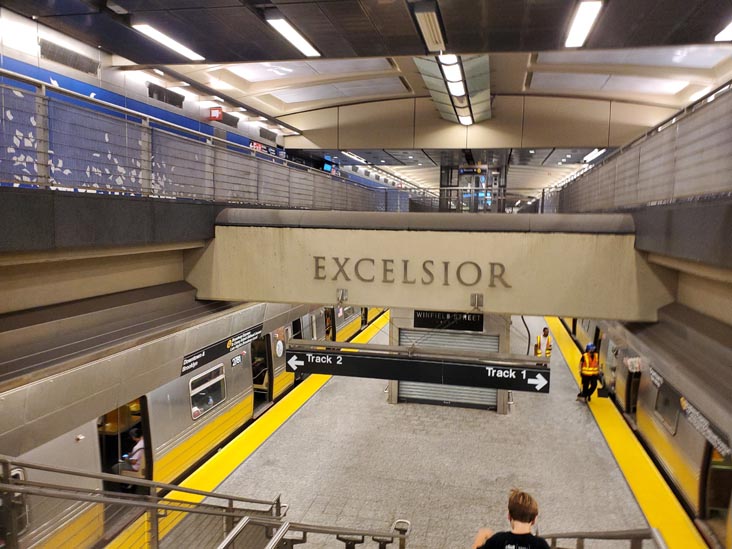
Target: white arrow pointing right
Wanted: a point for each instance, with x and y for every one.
(539, 381)
(294, 362)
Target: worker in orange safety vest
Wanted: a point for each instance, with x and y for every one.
(543, 345)
(589, 367)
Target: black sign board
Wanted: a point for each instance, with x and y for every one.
(531, 379)
(438, 320)
(225, 346)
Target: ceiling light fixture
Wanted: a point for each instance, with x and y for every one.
(428, 21)
(725, 34)
(354, 156)
(456, 88)
(452, 74)
(594, 154)
(584, 19)
(290, 33)
(168, 42)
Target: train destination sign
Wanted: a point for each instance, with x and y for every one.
(403, 368)
(203, 356)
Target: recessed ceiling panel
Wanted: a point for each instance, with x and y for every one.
(703, 56)
(344, 66)
(567, 81)
(639, 84)
(374, 86)
(262, 72)
(355, 88)
(310, 93)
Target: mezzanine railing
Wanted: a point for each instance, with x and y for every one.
(58, 139)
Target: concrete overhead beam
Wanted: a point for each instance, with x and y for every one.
(518, 121)
(566, 265)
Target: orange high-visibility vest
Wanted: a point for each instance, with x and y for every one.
(590, 365)
(537, 347)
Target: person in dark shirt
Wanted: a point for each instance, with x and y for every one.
(522, 513)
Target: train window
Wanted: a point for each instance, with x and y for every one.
(208, 390)
(668, 407)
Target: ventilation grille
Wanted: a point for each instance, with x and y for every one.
(165, 95)
(267, 134)
(58, 54)
(230, 120)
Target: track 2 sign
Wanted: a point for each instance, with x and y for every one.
(402, 368)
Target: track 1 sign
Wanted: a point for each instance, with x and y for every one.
(404, 368)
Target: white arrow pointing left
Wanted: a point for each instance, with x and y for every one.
(539, 381)
(294, 362)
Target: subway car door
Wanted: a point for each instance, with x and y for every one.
(718, 495)
(262, 371)
(115, 441)
(330, 324)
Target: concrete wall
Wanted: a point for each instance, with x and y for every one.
(581, 275)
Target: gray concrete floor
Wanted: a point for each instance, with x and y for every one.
(348, 458)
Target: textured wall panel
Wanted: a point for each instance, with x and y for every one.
(656, 166)
(704, 150)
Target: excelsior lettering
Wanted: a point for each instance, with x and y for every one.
(405, 271)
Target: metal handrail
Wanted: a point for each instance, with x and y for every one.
(161, 486)
(141, 502)
(635, 537)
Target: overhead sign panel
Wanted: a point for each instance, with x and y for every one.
(402, 368)
(439, 320)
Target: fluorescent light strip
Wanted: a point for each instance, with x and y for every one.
(456, 88)
(582, 23)
(725, 34)
(452, 72)
(293, 36)
(465, 120)
(429, 25)
(168, 42)
(594, 154)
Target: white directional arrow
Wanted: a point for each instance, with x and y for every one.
(294, 362)
(539, 381)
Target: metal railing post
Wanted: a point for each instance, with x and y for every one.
(42, 137)
(210, 167)
(152, 517)
(278, 506)
(229, 520)
(8, 512)
(146, 155)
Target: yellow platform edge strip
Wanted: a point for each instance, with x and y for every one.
(656, 500)
(212, 473)
(219, 467)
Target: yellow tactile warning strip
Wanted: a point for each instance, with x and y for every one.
(219, 467)
(658, 503)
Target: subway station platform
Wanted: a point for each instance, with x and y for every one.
(348, 458)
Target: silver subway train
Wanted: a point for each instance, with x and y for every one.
(76, 378)
(673, 382)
